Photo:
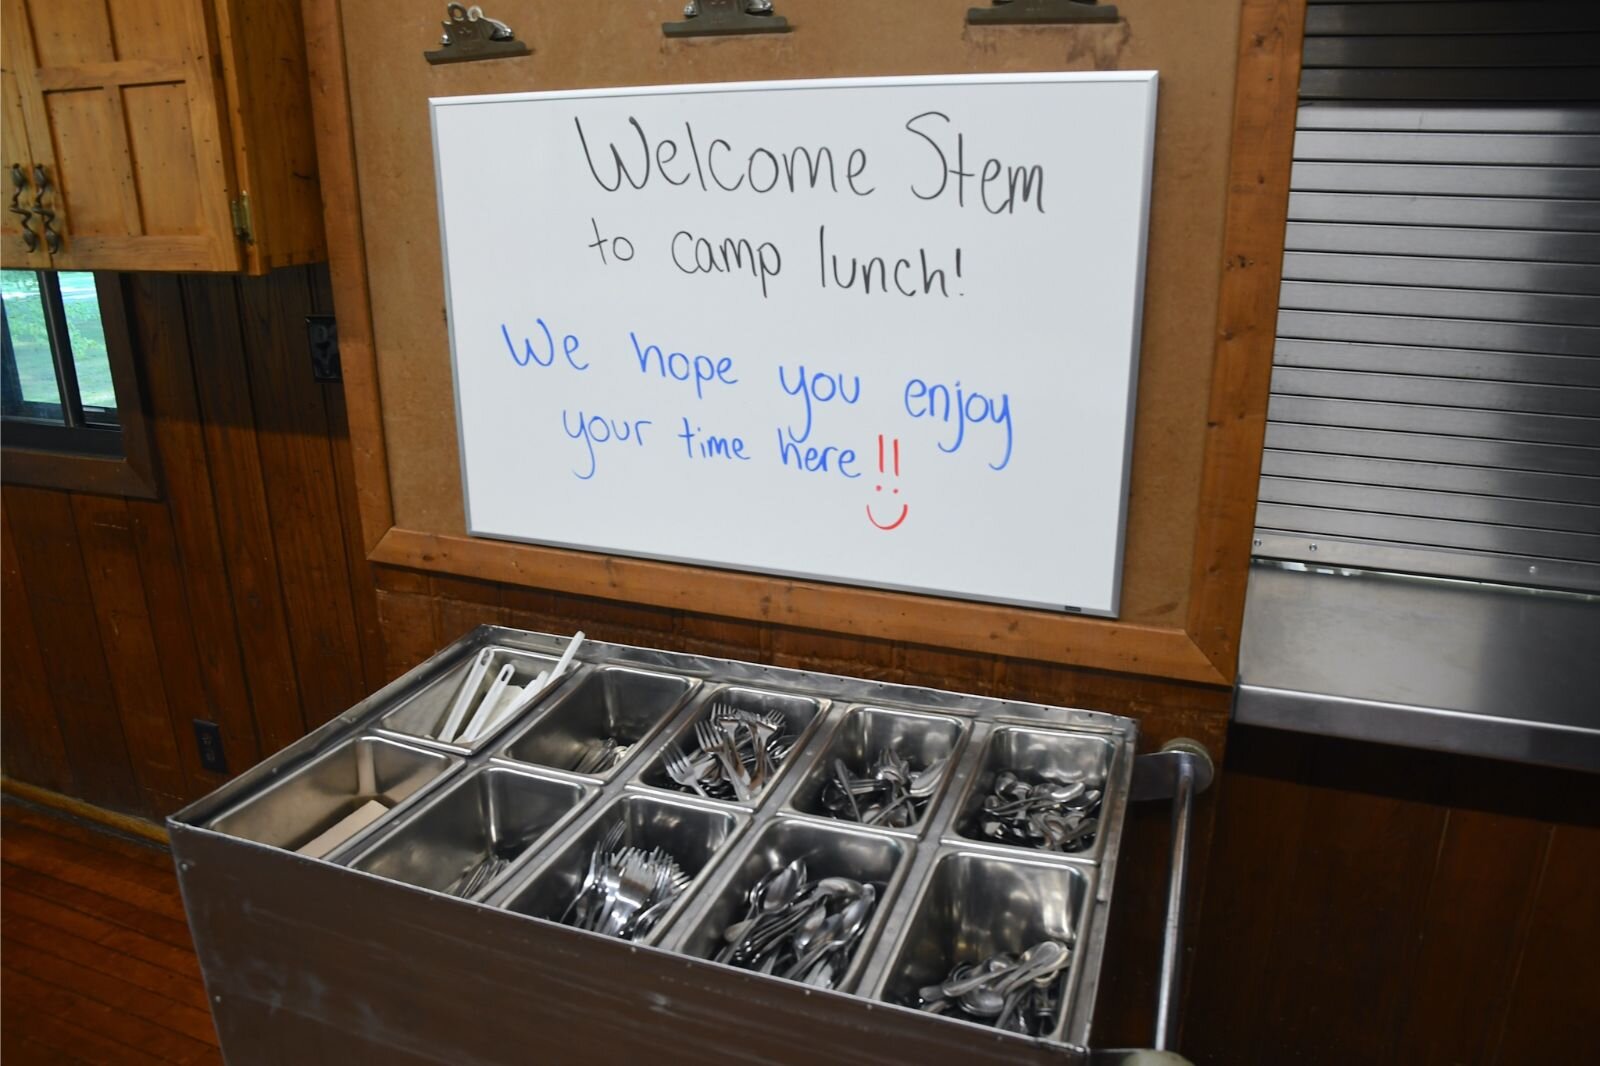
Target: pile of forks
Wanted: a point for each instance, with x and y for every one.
(739, 752)
(627, 890)
(477, 875)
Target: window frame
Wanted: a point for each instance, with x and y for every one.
(80, 456)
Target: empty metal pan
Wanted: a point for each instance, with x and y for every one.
(464, 839)
(331, 789)
(601, 720)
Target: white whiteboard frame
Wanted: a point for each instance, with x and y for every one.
(800, 85)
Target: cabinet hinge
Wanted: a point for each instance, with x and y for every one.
(243, 228)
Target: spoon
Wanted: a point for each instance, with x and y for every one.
(924, 781)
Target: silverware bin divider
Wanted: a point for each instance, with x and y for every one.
(1038, 755)
(974, 904)
(725, 843)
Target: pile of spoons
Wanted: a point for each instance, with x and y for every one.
(739, 752)
(1017, 993)
(798, 929)
(627, 890)
(1047, 816)
(889, 794)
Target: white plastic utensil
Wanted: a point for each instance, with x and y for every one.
(516, 699)
(566, 656)
(469, 688)
(512, 700)
(486, 707)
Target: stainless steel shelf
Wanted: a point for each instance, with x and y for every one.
(1459, 666)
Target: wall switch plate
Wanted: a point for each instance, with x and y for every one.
(208, 738)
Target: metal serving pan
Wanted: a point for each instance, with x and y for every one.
(865, 855)
(419, 716)
(306, 801)
(801, 716)
(618, 703)
(862, 732)
(496, 813)
(692, 832)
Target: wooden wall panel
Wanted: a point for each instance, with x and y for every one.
(187, 480)
(232, 598)
(31, 747)
(297, 467)
(222, 388)
(1386, 906)
(46, 540)
(111, 562)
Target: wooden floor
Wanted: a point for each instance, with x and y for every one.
(96, 965)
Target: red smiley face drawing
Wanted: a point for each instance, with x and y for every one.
(883, 468)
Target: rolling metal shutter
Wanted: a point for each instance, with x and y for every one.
(1436, 386)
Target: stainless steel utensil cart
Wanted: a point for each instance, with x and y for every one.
(363, 956)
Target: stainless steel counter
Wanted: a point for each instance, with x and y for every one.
(1448, 665)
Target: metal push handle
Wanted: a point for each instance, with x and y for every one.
(1179, 772)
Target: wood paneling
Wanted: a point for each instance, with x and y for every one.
(1385, 906)
(233, 598)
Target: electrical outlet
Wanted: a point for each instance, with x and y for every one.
(208, 738)
(322, 338)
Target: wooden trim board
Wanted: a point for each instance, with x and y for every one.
(76, 808)
(1202, 649)
(1266, 96)
(979, 627)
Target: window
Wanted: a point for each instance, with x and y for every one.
(68, 393)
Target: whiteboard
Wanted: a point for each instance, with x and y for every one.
(882, 332)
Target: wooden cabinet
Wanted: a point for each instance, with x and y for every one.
(160, 135)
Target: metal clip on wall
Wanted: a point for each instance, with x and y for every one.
(470, 34)
(1026, 12)
(714, 18)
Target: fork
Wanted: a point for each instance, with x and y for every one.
(682, 771)
(713, 740)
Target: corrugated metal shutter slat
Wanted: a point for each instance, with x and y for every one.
(1436, 383)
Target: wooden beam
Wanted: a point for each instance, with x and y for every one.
(122, 823)
(993, 630)
(347, 262)
(1265, 100)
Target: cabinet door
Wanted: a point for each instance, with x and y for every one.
(121, 105)
(16, 159)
